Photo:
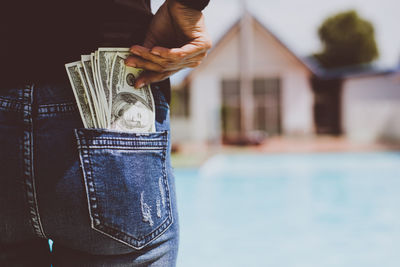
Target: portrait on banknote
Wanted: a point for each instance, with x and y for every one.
(104, 88)
(129, 113)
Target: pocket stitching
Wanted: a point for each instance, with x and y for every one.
(96, 220)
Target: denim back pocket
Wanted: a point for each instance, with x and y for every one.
(126, 184)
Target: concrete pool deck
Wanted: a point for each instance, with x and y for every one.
(190, 155)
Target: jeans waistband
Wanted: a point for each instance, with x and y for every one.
(43, 98)
(51, 97)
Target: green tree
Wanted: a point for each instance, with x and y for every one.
(347, 40)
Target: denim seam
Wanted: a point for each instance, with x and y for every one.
(88, 181)
(111, 142)
(59, 104)
(12, 105)
(129, 142)
(139, 149)
(17, 105)
(130, 139)
(143, 239)
(163, 138)
(29, 163)
(165, 180)
(57, 108)
(102, 228)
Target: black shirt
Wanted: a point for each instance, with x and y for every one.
(196, 4)
(37, 37)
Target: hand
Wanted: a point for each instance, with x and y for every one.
(176, 39)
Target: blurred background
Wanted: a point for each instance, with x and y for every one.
(286, 139)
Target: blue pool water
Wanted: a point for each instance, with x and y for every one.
(294, 210)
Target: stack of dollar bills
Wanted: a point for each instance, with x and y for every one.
(105, 94)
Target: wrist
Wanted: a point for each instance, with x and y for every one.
(177, 9)
(195, 5)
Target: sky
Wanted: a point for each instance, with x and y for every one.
(295, 22)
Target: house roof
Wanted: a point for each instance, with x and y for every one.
(354, 71)
(309, 62)
(235, 28)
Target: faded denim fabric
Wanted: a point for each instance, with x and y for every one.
(105, 198)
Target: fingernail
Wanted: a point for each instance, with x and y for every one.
(126, 61)
(155, 53)
(130, 64)
(136, 53)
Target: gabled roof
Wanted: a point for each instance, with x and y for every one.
(308, 62)
(234, 29)
(353, 71)
(357, 71)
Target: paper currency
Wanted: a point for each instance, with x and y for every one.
(105, 60)
(87, 67)
(105, 94)
(88, 95)
(80, 94)
(132, 109)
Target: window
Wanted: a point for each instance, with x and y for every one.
(180, 99)
(266, 94)
(266, 100)
(230, 110)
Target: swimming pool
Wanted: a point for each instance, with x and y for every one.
(291, 210)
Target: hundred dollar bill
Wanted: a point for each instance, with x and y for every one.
(79, 92)
(87, 67)
(89, 96)
(132, 109)
(105, 91)
(101, 98)
(106, 57)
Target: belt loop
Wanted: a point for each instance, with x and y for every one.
(27, 94)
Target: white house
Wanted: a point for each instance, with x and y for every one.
(250, 83)
(359, 102)
(371, 107)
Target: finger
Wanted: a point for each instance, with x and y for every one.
(137, 62)
(148, 77)
(192, 58)
(182, 65)
(146, 54)
(186, 64)
(188, 50)
(190, 62)
(198, 57)
(194, 64)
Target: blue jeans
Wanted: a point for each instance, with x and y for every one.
(105, 198)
